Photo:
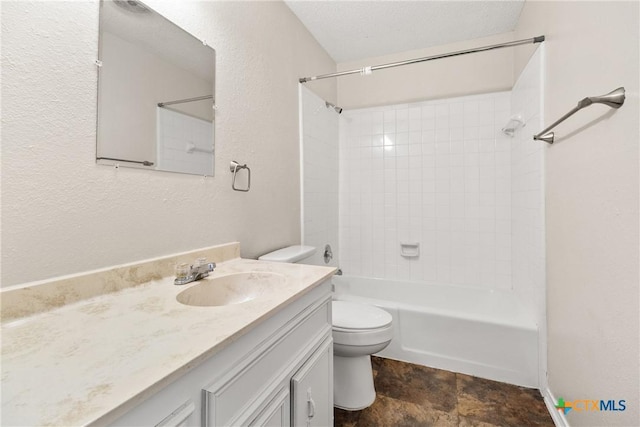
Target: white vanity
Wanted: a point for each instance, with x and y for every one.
(278, 374)
(76, 355)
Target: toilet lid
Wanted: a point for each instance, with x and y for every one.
(352, 315)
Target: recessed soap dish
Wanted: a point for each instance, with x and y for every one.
(410, 249)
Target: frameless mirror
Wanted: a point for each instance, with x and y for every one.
(155, 92)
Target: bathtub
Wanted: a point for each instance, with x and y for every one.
(483, 333)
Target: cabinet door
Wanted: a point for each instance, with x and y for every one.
(312, 391)
(277, 413)
(234, 397)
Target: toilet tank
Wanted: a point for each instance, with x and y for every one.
(297, 253)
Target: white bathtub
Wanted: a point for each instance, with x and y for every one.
(488, 334)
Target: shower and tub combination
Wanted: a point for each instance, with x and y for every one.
(435, 211)
(441, 224)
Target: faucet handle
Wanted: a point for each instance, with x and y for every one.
(182, 271)
(201, 265)
(203, 261)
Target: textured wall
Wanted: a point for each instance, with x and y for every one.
(446, 78)
(62, 213)
(592, 197)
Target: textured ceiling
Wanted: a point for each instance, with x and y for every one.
(351, 30)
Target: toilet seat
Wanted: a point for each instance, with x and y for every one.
(353, 317)
(360, 325)
(363, 338)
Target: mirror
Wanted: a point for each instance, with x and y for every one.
(155, 92)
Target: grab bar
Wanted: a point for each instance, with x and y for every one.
(235, 167)
(613, 99)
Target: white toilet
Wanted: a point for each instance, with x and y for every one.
(359, 330)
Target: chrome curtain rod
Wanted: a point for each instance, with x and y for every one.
(182, 101)
(369, 70)
(613, 99)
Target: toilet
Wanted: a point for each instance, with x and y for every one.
(359, 330)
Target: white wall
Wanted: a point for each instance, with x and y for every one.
(485, 72)
(320, 176)
(62, 213)
(527, 201)
(592, 198)
(437, 173)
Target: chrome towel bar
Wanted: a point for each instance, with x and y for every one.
(142, 162)
(613, 99)
(235, 167)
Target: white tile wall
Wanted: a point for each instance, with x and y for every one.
(319, 148)
(437, 173)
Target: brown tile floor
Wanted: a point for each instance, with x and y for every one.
(413, 395)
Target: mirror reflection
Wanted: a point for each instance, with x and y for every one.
(155, 92)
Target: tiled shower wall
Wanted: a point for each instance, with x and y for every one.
(319, 148)
(435, 173)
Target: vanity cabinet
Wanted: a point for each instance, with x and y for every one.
(279, 373)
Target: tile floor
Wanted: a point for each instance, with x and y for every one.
(413, 395)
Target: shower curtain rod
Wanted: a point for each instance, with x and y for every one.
(369, 70)
(182, 101)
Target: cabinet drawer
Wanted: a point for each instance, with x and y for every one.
(248, 384)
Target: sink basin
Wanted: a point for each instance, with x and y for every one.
(231, 289)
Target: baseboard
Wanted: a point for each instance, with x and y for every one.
(557, 416)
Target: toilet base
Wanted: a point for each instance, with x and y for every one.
(353, 388)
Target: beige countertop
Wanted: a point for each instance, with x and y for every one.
(92, 360)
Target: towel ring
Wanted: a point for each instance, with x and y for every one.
(235, 167)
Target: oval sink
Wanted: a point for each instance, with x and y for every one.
(231, 289)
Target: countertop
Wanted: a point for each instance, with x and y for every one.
(84, 362)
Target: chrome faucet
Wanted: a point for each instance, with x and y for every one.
(187, 274)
